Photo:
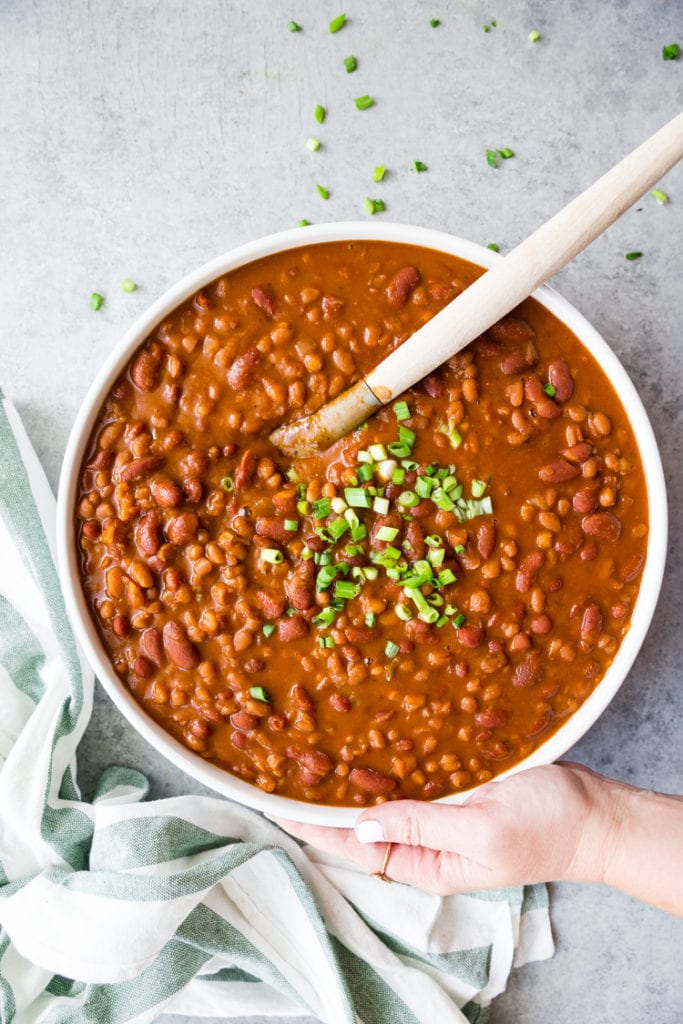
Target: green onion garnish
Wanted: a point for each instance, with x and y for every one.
(364, 102)
(319, 114)
(387, 533)
(403, 612)
(459, 620)
(408, 499)
(323, 192)
(268, 628)
(671, 51)
(505, 153)
(445, 577)
(391, 649)
(534, 36)
(370, 620)
(326, 641)
(258, 693)
(660, 196)
(487, 28)
(551, 392)
(419, 166)
(325, 618)
(365, 472)
(228, 484)
(303, 223)
(377, 452)
(633, 255)
(491, 158)
(337, 22)
(128, 285)
(479, 486)
(350, 63)
(493, 246)
(434, 22)
(357, 497)
(96, 300)
(402, 411)
(381, 506)
(293, 26)
(326, 576)
(313, 144)
(321, 508)
(291, 525)
(346, 590)
(271, 555)
(373, 206)
(378, 173)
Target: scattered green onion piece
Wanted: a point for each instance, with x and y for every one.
(434, 22)
(370, 572)
(326, 641)
(364, 102)
(96, 300)
(346, 590)
(291, 525)
(660, 196)
(370, 620)
(435, 600)
(322, 508)
(551, 392)
(337, 528)
(633, 255)
(406, 436)
(377, 452)
(378, 173)
(272, 556)
(326, 576)
(268, 628)
(403, 612)
(391, 649)
(228, 484)
(408, 499)
(350, 63)
(337, 23)
(313, 144)
(441, 621)
(387, 533)
(419, 166)
(398, 476)
(381, 506)
(357, 497)
(128, 285)
(671, 51)
(435, 556)
(402, 411)
(424, 485)
(324, 618)
(479, 487)
(306, 552)
(505, 153)
(293, 27)
(319, 114)
(351, 518)
(359, 532)
(338, 505)
(459, 620)
(493, 246)
(258, 693)
(373, 206)
(491, 158)
(365, 472)
(303, 508)
(303, 223)
(487, 28)
(534, 36)
(494, 23)
(323, 192)
(445, 577)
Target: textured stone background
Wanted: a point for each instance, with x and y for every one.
(142, 137)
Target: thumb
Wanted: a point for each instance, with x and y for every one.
(445, 827)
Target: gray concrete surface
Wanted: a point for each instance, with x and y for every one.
(141, 137)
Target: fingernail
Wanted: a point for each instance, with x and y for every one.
(369, 832)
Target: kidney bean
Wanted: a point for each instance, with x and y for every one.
(272, 528)
(238, 740)
(492, 718)
(241, 373)
(332, 307)
(92, 529)
(315, 761)
(401, 285)
(471, 635)
(244, 721)
(423, 508)
(558, 472)
(603, 525)
(300, 585)
(632, 567)
(586, 498)
(486, 538)
(541, 624)
(153, 645)
(182, 528)
(561, 379)
(143, 667)
(361, 634)
(293, 627)
(193, 490)
(519, 359)
(415, 537)
(179, 647)
(246, 469)
(539, 724)
(529, 669)
(272, 605)
(301, 697)
(419, 631)
(434, 385)
(529, 568)
(103, 460)
(371, 781)
(139, 468)
(511, 331)
(285, 502)
(339, 702)
(591, 621)
(166, 492)
(121, 625)
(264, 299)
(144, 370)
(578, 452)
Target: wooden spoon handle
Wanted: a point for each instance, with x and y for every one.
(536, 259)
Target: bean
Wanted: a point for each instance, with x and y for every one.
(292, 628)
(541, 625)
(241, 373)
(272, 528)
(182, 528)
(244, 721)
(492, 718)
(148, 536)
(166, 492)
(401, 285)
(264, 299)
(144, 371)
(578, 452)
(300, 585)
(586, 499)
(153, 645)
(603, 525)
(561, 379)
(371, 781)
(317, 762)
(139, 468)
(529, 669)
(415, 537)
(471, 635)
(121, 625)
(486, 538)
(557, 472)
(332, 307)
(519, 359)
(339, 702)
(143, 667)
(529, 568)
(179, 647)
(632, 566)
(591, 621)
(272, 605)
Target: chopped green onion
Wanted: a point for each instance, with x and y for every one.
(357, 497)
(434, 22)
(96, 300)
(451, 433)
(551, 392)
(268, 628)
(306, 552)
(337, 528)
(350, 63)
(377, 452)
(370, 572)
(493, 246)
(324, 618)
(291, 525)
(381, 506)
(406, 436)
(534, 36)
(364, 102)
(323, 192)
(491, 158)
(387, 533)
(378, 173)
(633, 255)
(487, 28)
(128, 285)
(459, 620)
(402, 411)
(303, 223)
(408, 499)
(403, 612)
(293, 27)
(494, 23)
(326, 641)
(271, 555)
(670, 52)
(479, 486)
(419, 166)
(303, 507)
(373, 206)
(459, 549)
(445, 577)
(398, 476)
(399, 450)
(228, 484)
(370, 620)
(319, 114)
(391, 649)
(660, 196)
(258, 693)
(359, 532)
(337, 22)
(339, 506)
(505, 153)
(313, 144)
(346, 590)
(423, 486)
(365, 472)
(435, 556)
(321, 508)
(435, 600)
(326, 576)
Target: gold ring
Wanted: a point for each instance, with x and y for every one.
(382, 873)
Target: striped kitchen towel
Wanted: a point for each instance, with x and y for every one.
(122, 909)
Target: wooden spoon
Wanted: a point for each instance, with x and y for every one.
(492, 295)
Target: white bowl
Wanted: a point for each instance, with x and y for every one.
(222, 781)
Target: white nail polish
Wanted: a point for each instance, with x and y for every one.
(369, 832)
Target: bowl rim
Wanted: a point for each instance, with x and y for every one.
(218, 779)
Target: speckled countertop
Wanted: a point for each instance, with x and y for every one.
(141, 138)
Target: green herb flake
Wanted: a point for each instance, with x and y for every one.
(293, 26)
(378, 173)
(96, 300)
(373, 206)
(633, 255)
(491, 158)
(434, 22)
(303, 223)
(268, 628)
(337, 23)
(419, 166)
(493, 246)
(671, 51)
(505, 153)
(258, 693)
(534, 36)
(551, 392)
(350, 63)
(313, 144)
(319, 114)
(128, 285)
(391, 649)
(364, 102)
(660, 196)
(323, 192)
(487, 28)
